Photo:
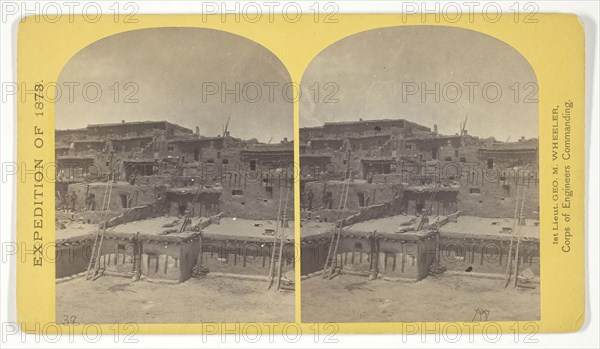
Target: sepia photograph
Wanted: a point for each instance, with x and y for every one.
(419, 185)
(174, 191)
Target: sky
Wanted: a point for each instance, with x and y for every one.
(385, 73)
(179, 75)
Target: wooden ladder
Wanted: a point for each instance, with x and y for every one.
(94, 264)
(278, 242)
(188, 216)
(331, 260)
(425, 215)
(516, 233)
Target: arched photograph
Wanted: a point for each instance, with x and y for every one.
(174, 191)
(419, 180)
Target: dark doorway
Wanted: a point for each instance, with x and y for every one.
(124, 201)
(182, 208)
(361, 199)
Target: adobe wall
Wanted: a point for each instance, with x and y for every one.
(486, 255)
(72, 257)
(173, 258)
(162, 257)
(481, 192)
(497, 194)
(328, 215)
(92, 217)
(131, 144)
(394, 255)
(199, 209)
(377, 193)
(136, 195)
(136, 214)
(255, 199)
(391, 256)
(510, 157)
(243, 255)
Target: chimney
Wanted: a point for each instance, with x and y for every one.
(122, 121)
(197, 130)
(435, 128)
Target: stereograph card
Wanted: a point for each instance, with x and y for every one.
(368, 173)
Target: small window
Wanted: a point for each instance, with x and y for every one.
(210, 161)
(463, 160)
(238, 192)
(448, 158)
(170, 148)
(224, 161)
(252, 165)
(490, 164)
(456, 153)
(474, 191)
(408, 147)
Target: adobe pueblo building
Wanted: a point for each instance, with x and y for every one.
(157, 201)
(397, 200)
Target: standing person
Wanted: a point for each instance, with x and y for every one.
(328, 201)
(303, 200)
(92, 202)
(73, 199)
(370, 174)
(310, 196)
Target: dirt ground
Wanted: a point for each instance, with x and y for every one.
(210, 299)
(443, 298)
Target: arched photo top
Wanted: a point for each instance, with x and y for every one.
(425, 74)
(194, 77)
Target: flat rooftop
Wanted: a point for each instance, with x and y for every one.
(75, 229)
(387, 227)
(468, 226)
(151, 226)
(154, 226)
(314, 228)
(236, 227)
(386, 224)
